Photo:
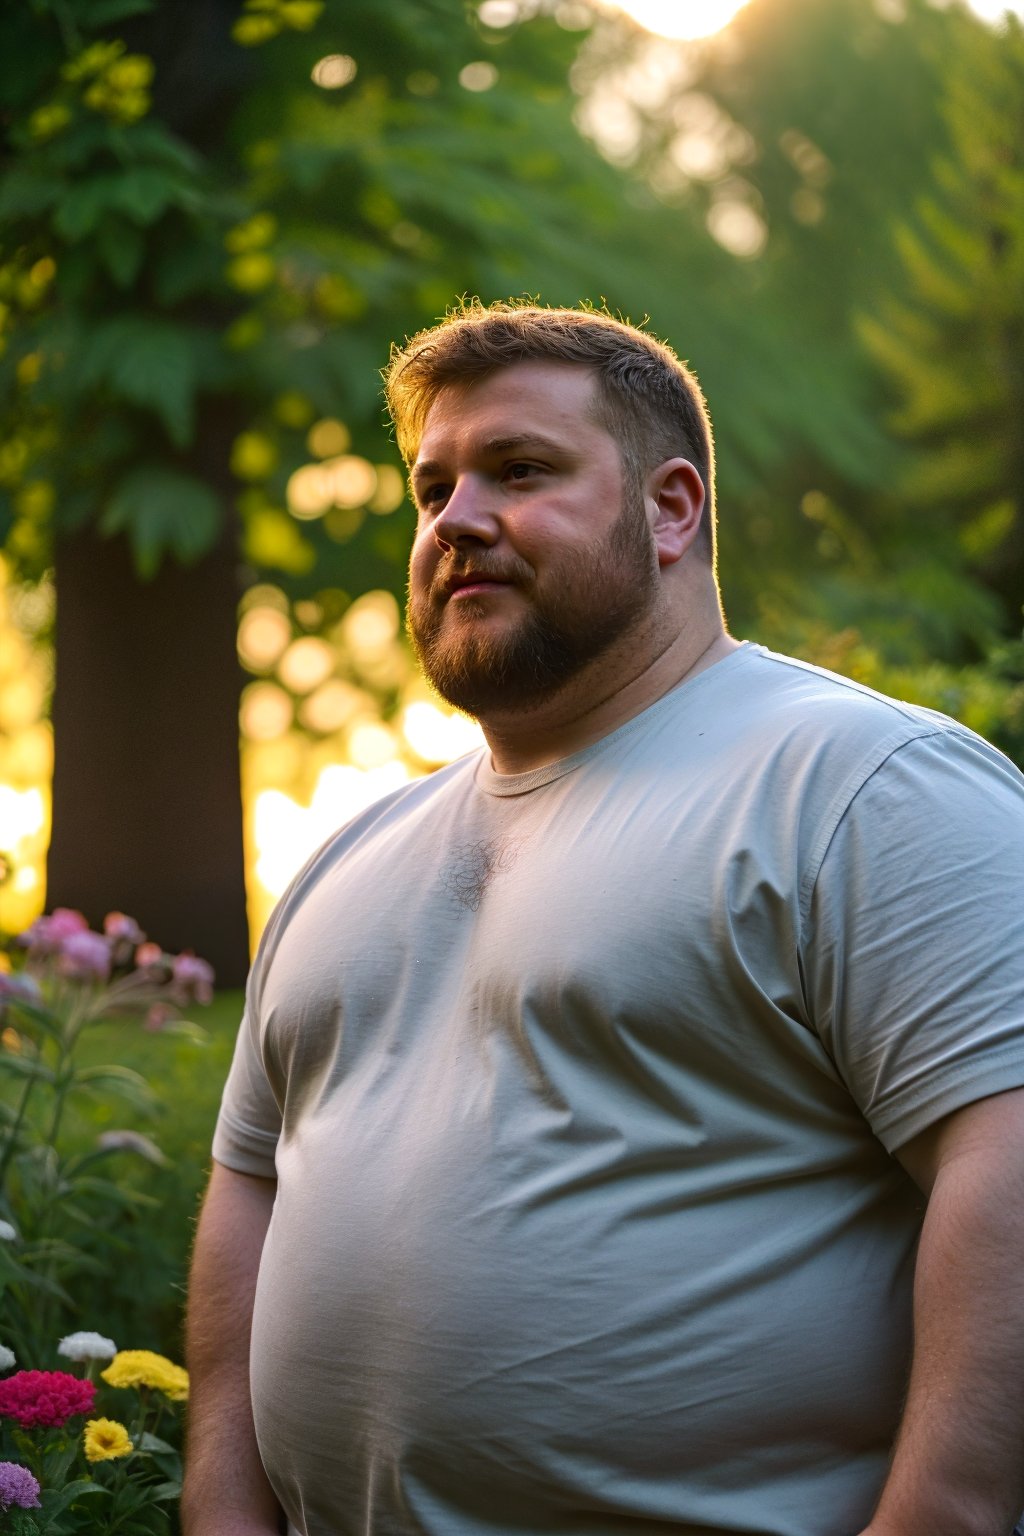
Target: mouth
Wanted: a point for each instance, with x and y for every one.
(473, 584)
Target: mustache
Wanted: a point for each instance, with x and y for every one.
(515, 572)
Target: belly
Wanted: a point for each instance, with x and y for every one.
(557, 1330)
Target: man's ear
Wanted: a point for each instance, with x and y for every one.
(675, 501)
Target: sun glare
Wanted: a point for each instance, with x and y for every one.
(684, 20)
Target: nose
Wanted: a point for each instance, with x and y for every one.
(468, 514)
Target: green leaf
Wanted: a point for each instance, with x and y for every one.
(163, 511)
(184, 1029)
(83, 205)
(25, 1066)
(121, 247)
(148, 1442)
(168, 1490)
(37, 1014)
(24, 194)
(120, 1079)
(54, 1501)
(152, 140)
(115, 1194)
(184, 268)
(149, 363)
(144, 192)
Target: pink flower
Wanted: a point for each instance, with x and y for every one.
(159, 1016)
(116, 925)
(150, 957)
(192, 978)
(45, 1398)
(85, 957)
(47, 934)
(124, 934)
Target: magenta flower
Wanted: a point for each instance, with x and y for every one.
(47, 934)
(17, 1487)
(192, 978)
(84, 957)
(45, 1398)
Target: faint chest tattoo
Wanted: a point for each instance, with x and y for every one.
(473, 866)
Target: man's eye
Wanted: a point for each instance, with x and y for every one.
(431, 495)
(520, 471)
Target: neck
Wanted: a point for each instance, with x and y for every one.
(601, 698)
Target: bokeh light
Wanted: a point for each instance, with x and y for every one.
(334, 71)
(263, 634)
(682, 20)
(266, 712)
(352, 480)
(26, 750)
(478, 76)
(390, 492)
(328, 437)
(346, 719)
(306, 664)
(310, 491)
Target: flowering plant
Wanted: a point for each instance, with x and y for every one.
(59, 1207)
(64, 1469)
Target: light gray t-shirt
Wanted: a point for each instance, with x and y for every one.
(581, 1087)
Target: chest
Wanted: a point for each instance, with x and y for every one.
(576, 929)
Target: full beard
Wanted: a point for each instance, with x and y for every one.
(600, 596)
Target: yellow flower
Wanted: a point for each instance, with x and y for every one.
(142, 1368)
(250, 31)
(251, 272)
(300, 14)
(48, 120)
(105, 1439)
(132, 73)
(253, 456)
(252, 234)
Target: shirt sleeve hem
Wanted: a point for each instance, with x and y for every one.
(916, 1110)
(245, 1150)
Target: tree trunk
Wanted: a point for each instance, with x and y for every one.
(146, 792)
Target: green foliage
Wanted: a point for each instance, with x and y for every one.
(162, 509)
(167, 261)
(60, 1200)
(113, 1477)
(948, 338)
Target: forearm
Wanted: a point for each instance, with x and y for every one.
(958, 1465)
(226, 1492)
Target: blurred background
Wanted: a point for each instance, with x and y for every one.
(216, 217)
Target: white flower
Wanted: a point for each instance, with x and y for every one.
(7, 1358)
(87, 1346)
(7, 1232)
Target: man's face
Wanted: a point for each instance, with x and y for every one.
(529, 560)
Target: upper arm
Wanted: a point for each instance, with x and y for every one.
(989, 1132)
(914, 948)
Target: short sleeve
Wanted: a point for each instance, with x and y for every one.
(249, 1122)
(913, 952)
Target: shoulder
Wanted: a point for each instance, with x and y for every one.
(844, 730)
(792, 689)
(401, 808)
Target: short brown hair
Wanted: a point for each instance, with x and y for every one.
(648, 400)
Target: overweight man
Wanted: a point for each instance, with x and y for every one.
(625, 1133)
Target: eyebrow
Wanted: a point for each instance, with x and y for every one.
(515, 442)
